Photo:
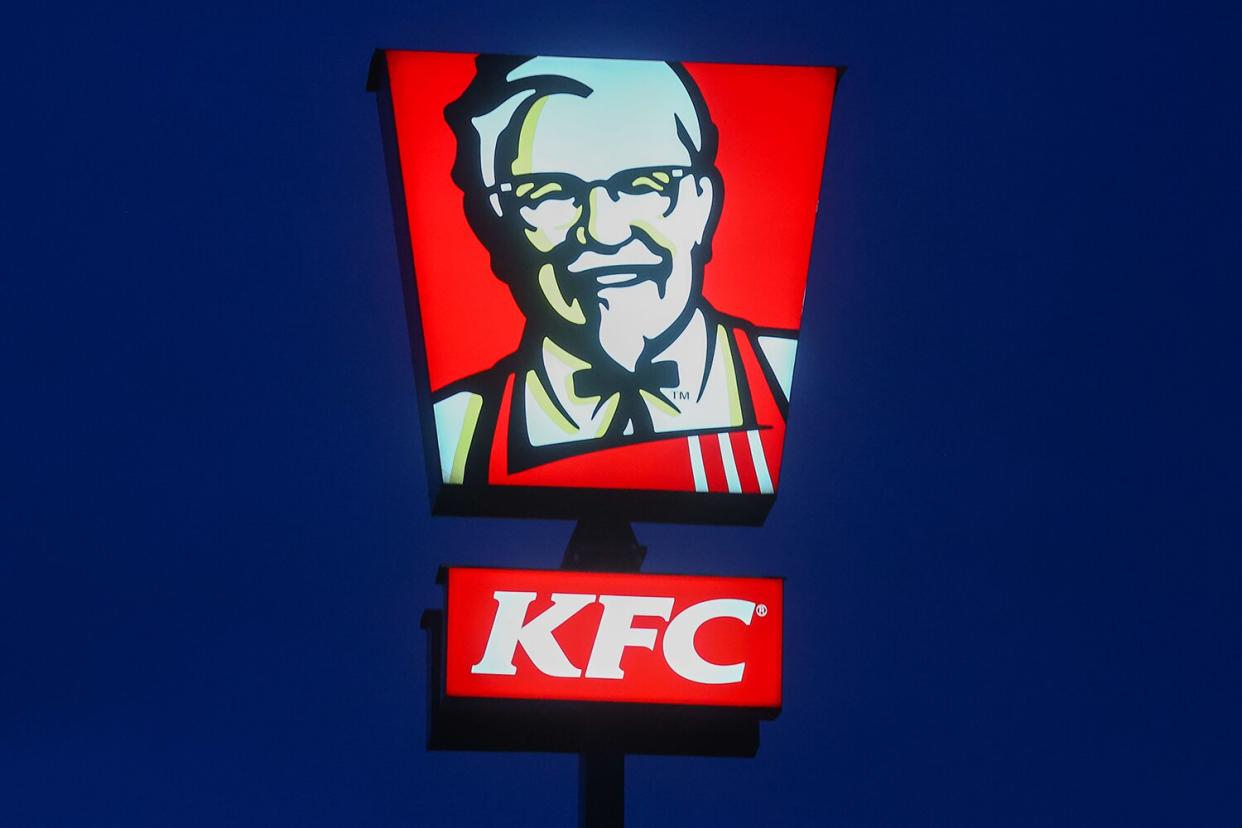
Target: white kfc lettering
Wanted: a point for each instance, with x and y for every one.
(616, 632)
(535, 636)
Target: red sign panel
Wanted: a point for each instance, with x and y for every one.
(607, 262)
(586, 636)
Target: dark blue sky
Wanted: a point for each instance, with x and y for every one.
(1008, 514)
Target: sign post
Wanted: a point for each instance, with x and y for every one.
(602, 545)
(601, 789)
(599, 334)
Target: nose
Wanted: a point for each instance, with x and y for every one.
(606, 220)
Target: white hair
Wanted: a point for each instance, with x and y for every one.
(629, 98)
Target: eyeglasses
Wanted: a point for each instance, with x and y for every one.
(536, 188)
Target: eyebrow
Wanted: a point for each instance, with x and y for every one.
(550, 187)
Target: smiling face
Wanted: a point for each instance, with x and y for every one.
(605, 210)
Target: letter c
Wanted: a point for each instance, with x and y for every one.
(679, 649)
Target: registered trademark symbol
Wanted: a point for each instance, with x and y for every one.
(761, 610)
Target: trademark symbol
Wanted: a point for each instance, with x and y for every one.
(761, 610)
(681, 395)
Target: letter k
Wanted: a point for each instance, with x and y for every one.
(535, 636)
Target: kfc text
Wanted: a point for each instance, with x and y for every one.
(661, 639)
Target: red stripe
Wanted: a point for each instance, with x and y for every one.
(497, 465)
(742, 459)
(713, 464)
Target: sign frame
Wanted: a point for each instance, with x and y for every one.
(560, 726)
(548, 502)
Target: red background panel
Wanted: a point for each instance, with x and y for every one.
(773, 123)
(469, 319)
(471, 609)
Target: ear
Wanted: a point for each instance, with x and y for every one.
(705, 202)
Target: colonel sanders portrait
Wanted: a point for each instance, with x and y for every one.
(593, 185)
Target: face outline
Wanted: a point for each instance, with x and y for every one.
(623, 246)
(602, 215)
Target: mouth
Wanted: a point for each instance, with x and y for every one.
(620, 275)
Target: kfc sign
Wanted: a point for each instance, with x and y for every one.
(659, 639)
(606, 261)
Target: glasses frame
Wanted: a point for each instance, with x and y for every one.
(579, 190)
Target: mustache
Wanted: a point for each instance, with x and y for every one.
(590, 267)
(634, 253)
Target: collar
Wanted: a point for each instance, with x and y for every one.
(705, 394)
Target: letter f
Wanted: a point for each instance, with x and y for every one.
(535, 636)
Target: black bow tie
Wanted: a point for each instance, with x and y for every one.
(608, 378)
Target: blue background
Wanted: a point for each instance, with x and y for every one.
(1009, 510)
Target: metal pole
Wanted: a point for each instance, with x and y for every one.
(601, 789)
(602, 545)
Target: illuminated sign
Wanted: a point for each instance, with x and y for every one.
(605, 261)
(607, 637)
